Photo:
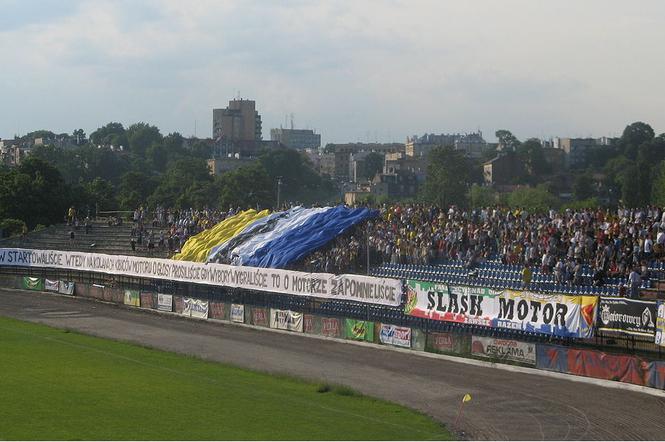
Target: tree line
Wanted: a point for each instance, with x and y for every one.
(120, 168)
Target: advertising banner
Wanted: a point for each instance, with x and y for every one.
(238, 313)
(218, 310)
(66, 288)
(51, 285)
(195, 308)
(506, 349)
(311, 324)
(260, 317)
(628, 316)
(359, 330)
(31, 283)
(446, 342)
(147, 299)
(394, 335)
(331, 327)
(660, 324)
(286, 320)
(164, 302)
(358, 288)
(132, 298)
(560, 315)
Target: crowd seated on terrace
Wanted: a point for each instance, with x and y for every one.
(620, 248)
(567, 248)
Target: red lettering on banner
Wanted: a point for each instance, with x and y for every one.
(330, 327)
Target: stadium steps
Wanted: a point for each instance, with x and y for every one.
(102, 238)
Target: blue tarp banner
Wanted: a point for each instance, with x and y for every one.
(307, 237)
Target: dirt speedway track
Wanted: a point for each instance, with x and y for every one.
(505, 405)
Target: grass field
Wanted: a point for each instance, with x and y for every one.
(60, 385)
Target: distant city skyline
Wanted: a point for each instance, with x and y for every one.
(353, 71)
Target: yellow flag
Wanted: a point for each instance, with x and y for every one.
(466, 398)
(198, 246)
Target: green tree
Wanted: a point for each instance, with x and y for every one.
(634, 135)
(134, 189)
(658, 189)
(447, 178)
(111, 134)
(102, 194)
(141, 136)
(79, 137)
(247, 186)
(507, 140)
(533, 199)
(531, 154)
(583, 186)
(34, 192)
(186, 183)
(482, 196)
(630, 187)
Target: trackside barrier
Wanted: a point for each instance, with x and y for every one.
(219, 310)
(259, 316)
(596, 364)
(448, 343)
(148, 299)
(358, 330)
(323, 326)
(582, 362)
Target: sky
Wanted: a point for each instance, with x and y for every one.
(357, 70)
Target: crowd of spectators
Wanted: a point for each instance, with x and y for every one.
(612, 243)
(167, 229)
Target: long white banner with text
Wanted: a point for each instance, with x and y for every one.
(357, 288)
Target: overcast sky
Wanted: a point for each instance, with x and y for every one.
(354, 70)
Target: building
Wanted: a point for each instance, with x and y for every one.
(472, 144)
(296, 138)
(506, 168)
(576, 149)
(238, 122)
(343, 152)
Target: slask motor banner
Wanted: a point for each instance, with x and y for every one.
(560, 315)
(357, 288)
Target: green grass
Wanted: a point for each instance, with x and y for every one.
(56, 384)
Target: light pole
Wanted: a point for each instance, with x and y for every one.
(279, 188)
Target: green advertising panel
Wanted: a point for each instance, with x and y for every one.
(31, 283)
(359, 330)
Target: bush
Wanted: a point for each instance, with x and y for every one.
(12, 227)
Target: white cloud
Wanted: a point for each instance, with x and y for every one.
(347, 68)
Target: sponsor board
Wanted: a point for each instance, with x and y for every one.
(147, 299)
(30, 283)
(331, 327)
(660, 324)
(164, 302)
(359, 330)
(447, 342)
(560, 315)
(505, 349)
(286, 320)
(628, 316)
(394, 335)
(132, 298)
(218, 310)
(237, 313)
(195, 308)
(51, 285)
(260, 316)
(66, 288)
(358, 288)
